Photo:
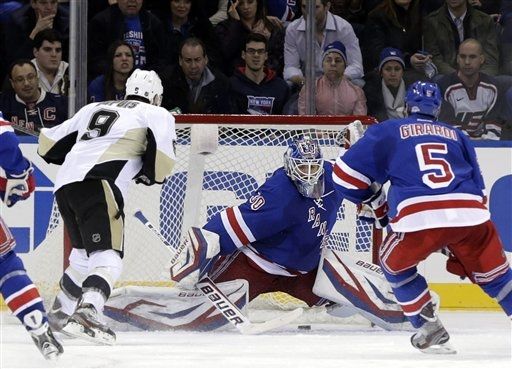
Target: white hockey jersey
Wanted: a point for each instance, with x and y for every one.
(115, 140)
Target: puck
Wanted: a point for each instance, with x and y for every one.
(304, 327)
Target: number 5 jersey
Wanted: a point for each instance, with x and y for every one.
(435, 177)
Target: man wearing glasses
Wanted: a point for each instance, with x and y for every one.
(27, 107)
(255, 88)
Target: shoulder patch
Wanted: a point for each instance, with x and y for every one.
(257, 201)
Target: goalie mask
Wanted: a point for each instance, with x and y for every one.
(304, 164)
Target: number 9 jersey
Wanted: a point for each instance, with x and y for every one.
(435, 177)
(114, 140)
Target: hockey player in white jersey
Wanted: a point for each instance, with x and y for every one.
(16, 287)
(101, 149)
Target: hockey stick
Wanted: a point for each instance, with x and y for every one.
(25, 130)
(221, 302)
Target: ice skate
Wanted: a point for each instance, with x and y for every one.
(56, 317)
(46, 342)
(85, 323)
(432, 337)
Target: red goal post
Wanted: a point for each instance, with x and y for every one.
(221, 160)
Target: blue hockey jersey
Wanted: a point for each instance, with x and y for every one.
(435, 179)
(11, 158)
(277, 227)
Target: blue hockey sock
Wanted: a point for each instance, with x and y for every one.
(501, 290)
(19, 293)
(409, 288)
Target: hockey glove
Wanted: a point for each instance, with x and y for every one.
(453, 265)
(17, 187)
(378, 205)
(350, 134)
(194, 258)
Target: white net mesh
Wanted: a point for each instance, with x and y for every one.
(202, 185)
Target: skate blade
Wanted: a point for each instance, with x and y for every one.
(76, 330)
(53, 355)
(442, 349)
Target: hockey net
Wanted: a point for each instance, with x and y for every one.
(221, 160)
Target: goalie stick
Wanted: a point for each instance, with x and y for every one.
(220, 301)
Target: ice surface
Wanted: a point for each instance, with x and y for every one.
(483, 340)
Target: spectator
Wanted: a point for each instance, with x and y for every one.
(491, 7)
(335, 94)
(428, 6)
(26, 22)
(443, 36)
(96, 6)
(112, 84)
(7, 7)
(385, 91)
(183, 19)
(506, 133)
(216, 13)
(506, 37)
(245, 17)
(473, 99)
(284, 10)
(28, 106)
(192, 86)
(397, 24)
(329, 28)
(126, 21)
(52, 70)
(353, 11)
(256, 89)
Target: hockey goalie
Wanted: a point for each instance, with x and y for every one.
(275, 240)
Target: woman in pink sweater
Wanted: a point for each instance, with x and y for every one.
(335, 94)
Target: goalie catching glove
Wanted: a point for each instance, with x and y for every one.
(17, 187)
(349, 135)
(375, 208)
(194, 256)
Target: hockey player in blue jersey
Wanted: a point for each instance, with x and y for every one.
(436, 200)
(274, 241)
(16, 287)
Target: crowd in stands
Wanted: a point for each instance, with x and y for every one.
(248, 57)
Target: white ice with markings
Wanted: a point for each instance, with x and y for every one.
(483, 340)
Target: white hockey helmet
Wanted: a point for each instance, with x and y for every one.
(147, 84)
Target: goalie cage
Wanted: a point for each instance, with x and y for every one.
(221, 160)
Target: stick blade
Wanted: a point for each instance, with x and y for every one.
(285, 319)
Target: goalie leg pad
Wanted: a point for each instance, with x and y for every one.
(360, 284)
(193, 259)
(174, 308)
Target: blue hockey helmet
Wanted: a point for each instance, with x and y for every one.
(424, 98)
(303, 163)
